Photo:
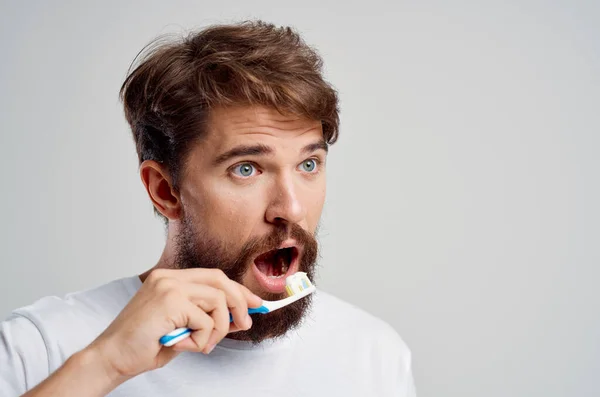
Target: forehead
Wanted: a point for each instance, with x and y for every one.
(233, 125)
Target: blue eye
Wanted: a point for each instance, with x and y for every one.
(309, 165)
(244, 169)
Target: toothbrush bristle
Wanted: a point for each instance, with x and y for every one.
(297, 283)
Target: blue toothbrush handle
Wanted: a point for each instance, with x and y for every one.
(175, 336)
(181, 333)
(261, 310)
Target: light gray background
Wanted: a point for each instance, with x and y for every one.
(463, 193)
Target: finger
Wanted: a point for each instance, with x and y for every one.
(208, 276)
(234, 328)
(252, 299)
(236, 300)
(214, 302)
(165, 356)
(186, 344)
(204, 296)
(201, 325)
(220, 316)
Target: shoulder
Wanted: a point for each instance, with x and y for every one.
(69, 323)
(334, 312)
(353, 341)
(342, 320)
(98, 302)
(23, 364)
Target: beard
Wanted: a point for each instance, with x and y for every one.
(198, 250)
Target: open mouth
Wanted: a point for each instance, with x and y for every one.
(276, 263)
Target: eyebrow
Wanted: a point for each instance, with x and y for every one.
(264, 150)
(313, 147)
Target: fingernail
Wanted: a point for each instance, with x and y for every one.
(209, 348)
(248, 321)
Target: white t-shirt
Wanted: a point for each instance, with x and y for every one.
(339, 350)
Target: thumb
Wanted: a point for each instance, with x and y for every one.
(165, 355)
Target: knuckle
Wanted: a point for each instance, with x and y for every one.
(220, 334)
(155, 275)
(199, 339)
(171, 300)
(219, 275)
(223, 327)
(164, 285)
(221, 297)
(210, 323)
(240, 300)
(240, 294)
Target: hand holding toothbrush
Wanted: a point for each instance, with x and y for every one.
(298, 286)
(199, 299)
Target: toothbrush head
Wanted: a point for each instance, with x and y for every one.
(297, 287)
(297, 283)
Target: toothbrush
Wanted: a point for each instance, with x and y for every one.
(297, 287)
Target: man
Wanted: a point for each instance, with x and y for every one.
(232, 126)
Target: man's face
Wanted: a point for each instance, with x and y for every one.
(252, 195)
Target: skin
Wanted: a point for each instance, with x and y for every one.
(232, 208)
(232, 201)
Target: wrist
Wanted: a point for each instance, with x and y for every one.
(97, 369)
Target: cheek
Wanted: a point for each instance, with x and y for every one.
(230, 214)
(315, 199)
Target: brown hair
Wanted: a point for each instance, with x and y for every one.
(168, 96)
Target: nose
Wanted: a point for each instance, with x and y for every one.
(285, 205)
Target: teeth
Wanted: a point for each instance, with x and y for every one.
(282, 264)
(280, 276)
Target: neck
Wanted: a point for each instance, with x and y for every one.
(167, 257)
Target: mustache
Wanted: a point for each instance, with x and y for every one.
(272, 241)
(196, 249)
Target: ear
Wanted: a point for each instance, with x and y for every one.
(158, 185)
